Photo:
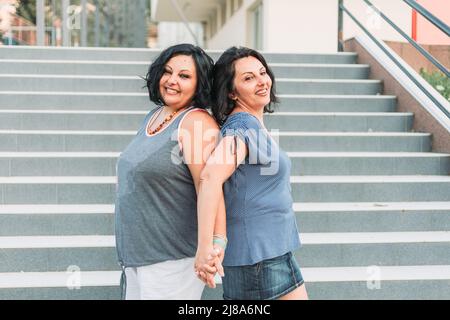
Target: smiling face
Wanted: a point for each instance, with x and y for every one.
(178, 83)
(252, 84)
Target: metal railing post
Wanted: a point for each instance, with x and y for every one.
(83, 23)
(40, 23)
(65, 21)
(97, 24)
(106, 26)
(340, 26)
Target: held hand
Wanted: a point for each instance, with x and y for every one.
(219, 259)
(206, 268)
(202, 269)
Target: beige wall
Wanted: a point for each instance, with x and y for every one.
(416, 60)
(428, 33)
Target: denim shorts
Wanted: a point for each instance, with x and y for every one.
(269, 279)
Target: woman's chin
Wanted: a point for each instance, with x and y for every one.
(173, 101)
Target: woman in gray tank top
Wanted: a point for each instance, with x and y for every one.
(254, 174)
(156, 224)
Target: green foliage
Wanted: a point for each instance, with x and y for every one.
(439, 81)
(27, 10)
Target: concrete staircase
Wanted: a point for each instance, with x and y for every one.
(372, 200)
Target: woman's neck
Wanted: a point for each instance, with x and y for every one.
(258, 113)
(171, 109)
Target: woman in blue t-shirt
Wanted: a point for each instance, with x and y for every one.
(253, 173)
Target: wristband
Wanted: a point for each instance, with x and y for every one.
(221, 241)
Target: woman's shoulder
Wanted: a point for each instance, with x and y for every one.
(241, 120)
(196, 115)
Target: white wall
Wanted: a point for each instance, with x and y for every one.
(170, 33)
(397, 11)
(233, 32)
(311, 25)
(301, 25)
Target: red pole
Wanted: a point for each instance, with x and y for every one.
(414, 25)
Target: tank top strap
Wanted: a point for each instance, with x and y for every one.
(181, 118)
(184, 114)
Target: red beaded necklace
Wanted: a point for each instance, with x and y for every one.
(167, 119)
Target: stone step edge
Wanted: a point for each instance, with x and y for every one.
(144, 63)
(111, 77)
(133, 94)
(41, 242)
(30, 154)
(273, 132)
(307, 207)
(74, 278)
(138, 112)
(293, 179)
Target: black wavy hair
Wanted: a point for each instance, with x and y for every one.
(203, 63)
(223, 82)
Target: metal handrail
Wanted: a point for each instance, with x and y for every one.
(428, 56)
(429, 16)
(342, 9)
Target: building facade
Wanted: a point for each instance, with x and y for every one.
(298, 25)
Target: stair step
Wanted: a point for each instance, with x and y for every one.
(82, 219)
(366, 282)
(369, 163)
(139, 101)
(370, 188)
(302, 121)
(146, 55)
(116, 141)
(101, 190)
(336, 103)
(320, 71)
(133, 68)
(353, 142)
(303, 163)
(134, 84)
(57, 253)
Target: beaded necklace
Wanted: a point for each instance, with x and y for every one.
(167, 119)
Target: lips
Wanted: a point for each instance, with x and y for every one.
(262, 92)
(171, 90)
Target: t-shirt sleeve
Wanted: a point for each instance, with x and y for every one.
(255, 138)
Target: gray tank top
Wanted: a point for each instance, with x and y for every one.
(156, 201)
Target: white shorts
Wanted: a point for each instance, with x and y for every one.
(168, 280)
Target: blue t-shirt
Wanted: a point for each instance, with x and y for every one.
(261, 222)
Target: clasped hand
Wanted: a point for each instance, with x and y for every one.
(208, 263)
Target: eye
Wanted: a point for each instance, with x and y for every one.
(248, 78)
(185, 76)
(263, 73)
(167, 71)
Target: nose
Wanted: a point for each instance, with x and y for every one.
(260, 80)
(172, 79)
